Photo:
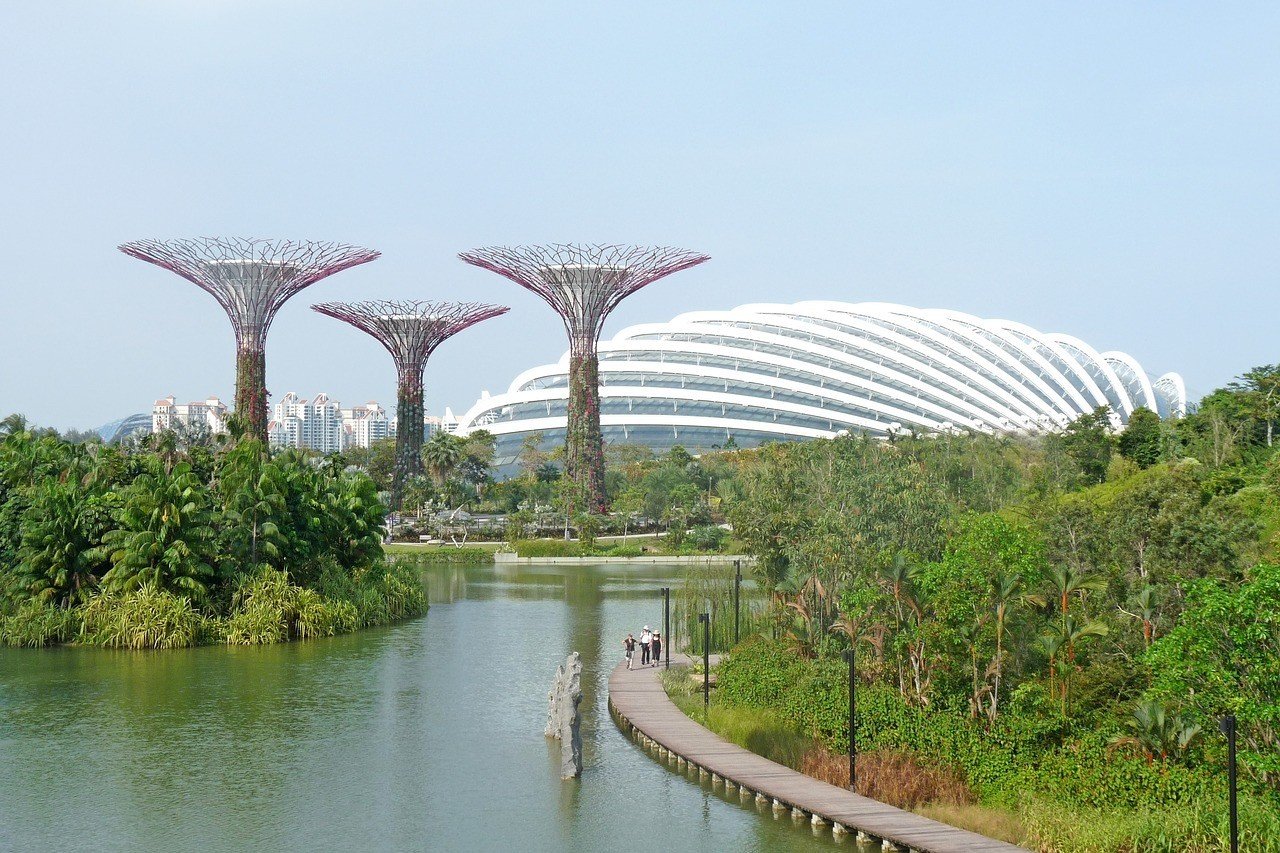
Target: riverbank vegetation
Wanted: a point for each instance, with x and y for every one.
(170, 544)
(1057, 621)
(676, 499)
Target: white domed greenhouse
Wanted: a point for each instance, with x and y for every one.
(762, 373)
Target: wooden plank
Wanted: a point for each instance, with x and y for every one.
(638, 697)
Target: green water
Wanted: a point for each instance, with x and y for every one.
(423, 736)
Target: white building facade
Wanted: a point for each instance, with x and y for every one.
(209, 414)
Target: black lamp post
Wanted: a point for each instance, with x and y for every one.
(666, 625)
(737, 595)
(852, 656)
(1227, 725)
(705, 619)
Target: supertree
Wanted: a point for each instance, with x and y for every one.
(410, 330)
(583, 283)
(251, 279)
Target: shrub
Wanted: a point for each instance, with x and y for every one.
(890, 776)
(708, 537)
(38, 624)
(549, 548)
(264, 609)
(146, 618)
(322, 617)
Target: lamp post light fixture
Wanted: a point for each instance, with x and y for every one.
(705, 619)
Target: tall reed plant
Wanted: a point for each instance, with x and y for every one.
(709, 589)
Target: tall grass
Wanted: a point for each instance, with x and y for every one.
(147, 618)
(1188, 828)
(890, 776)
(709, 589)
(38, 624)
(267, 608)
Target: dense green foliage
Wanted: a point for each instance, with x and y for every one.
(1032, 760)
(1063, 616)
(176, 544)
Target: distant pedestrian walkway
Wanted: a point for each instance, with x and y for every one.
(637, 699)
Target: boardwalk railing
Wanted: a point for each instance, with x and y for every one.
(641, 708)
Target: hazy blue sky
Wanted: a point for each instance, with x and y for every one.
(1109, 170)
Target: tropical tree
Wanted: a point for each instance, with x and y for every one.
(62, 557)
(164, 535)
(1142, 438)
(1156, 733)
(442, 454)
(1259, 389)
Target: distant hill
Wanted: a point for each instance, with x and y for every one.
(124, 427)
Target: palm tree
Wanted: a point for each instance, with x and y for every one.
(13, 424)
(1156, 733)
(164, 537)
(1146, 607)
(1006, 590)
(1066, 581)
(61, 556)
(1068, 637)
(442, 454)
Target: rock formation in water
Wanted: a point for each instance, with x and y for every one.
(564, 721)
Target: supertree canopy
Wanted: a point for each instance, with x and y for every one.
(251, 279)
(410, 330)
(583, 283)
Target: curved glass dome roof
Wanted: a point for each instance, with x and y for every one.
(813, 369)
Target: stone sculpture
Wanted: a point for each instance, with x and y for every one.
(564, 721)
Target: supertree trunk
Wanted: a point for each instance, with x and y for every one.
(409, 429)
(251, 391)
(584, 441)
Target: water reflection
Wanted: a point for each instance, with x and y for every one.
(424, 735)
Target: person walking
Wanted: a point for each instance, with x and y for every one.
(629, 645)
(646, 637)
(656, 644)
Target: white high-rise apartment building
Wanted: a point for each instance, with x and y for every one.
(320, 424)
(363, 425)
(315, 424)
(210, 414)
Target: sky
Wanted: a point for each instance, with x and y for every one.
(1108, 170)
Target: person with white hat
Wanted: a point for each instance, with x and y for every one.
(646, 637)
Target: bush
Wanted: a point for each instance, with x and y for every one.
(1031, 761)
(708, 537)
(264, 609)
(147, 618)
(890, 776)
(269, 609)
(38, 624)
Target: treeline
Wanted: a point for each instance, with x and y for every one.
(1109, 596)
(169, 544)
(673, 493)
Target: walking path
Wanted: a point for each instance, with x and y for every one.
(641, 707)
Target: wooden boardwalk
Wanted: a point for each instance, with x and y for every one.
(641, 707)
